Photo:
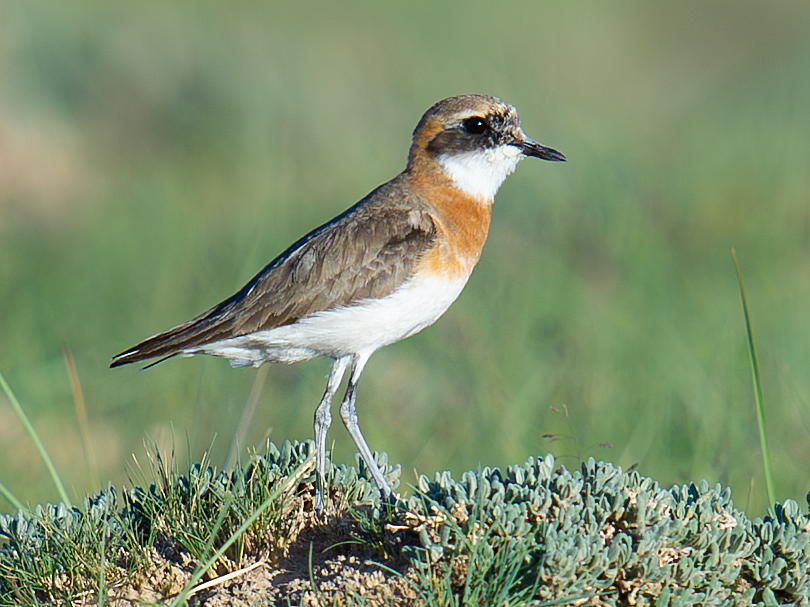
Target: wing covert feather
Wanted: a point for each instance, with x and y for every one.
(366, 252)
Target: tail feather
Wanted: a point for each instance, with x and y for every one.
(196, 332)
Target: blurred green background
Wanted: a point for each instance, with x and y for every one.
(154, 156)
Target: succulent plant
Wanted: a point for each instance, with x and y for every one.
(601, 533)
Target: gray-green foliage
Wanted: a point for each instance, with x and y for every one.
(531, 532)
(54, 550)
(57, 551)
(619, 535)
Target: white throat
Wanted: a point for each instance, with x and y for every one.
(481, 173)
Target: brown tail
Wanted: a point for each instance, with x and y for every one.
(195, 332)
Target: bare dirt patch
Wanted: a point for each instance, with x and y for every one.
(324, 564)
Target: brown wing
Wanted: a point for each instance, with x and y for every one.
(367, 251)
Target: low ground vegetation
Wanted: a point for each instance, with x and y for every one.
(534, 533)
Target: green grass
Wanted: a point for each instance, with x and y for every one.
(760, 405)
(43, 453)
(532, 534)
(161, 155)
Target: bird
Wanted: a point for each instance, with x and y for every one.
(377, 273)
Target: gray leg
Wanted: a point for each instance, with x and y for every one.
(323, 419)
(348, 413)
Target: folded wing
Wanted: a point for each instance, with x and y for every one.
(366, 252)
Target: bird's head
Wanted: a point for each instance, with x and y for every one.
(476, 141)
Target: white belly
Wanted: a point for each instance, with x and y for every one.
(358, 329)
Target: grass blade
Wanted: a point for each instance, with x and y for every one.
(10, 497)
(283, 487)
(752, 351)
(81, 416)
(37, 443)
(246, 417)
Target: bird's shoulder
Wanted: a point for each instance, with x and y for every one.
(365, 252)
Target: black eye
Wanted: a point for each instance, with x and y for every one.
(475, 125)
